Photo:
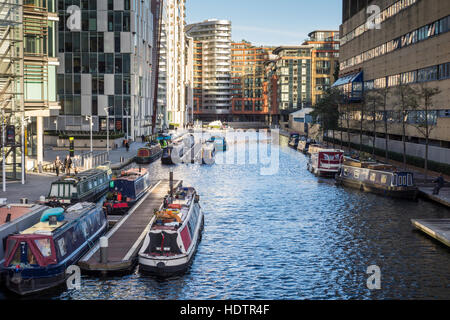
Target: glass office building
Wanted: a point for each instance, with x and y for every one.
(105, 67)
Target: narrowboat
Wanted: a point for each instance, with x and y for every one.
(220, 143)
(174, 153)
(303, 145)
(148, 154)
(126, 190)
(379, 179)
(37, 258)
(326, 162)
(174, 236)
(87, 186)
(208, 153)
(293, 140)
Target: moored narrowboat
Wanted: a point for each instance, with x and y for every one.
(294, 140)
(174, 153)
(87, 186)
(148, 154)
(379, 179)
(326, 162)
(125, 190)
(303, 145)
(174, 236)
(220, 143)
(37, 258)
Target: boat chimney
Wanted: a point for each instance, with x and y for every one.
(53, 220)
(8, 216)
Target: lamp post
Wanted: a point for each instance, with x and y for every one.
(107, 128)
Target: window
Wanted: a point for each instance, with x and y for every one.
(44, 247)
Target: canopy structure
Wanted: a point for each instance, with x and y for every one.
(351, 86)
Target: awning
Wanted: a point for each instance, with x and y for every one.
(354, 77)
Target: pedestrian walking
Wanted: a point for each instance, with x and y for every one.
(127, 145)
(67, 164)
(439, 184)
(143, 138)
(58, 165)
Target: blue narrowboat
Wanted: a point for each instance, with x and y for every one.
(126, 190)
(37, 258)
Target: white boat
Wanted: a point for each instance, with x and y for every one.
(175, 233)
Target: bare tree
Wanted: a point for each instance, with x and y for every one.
(427, 121)
(407, 101)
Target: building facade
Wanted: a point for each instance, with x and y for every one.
(212, 69)
(325, 61)
(247, 79)
(106, 66)
(407, 45)
(28, 70)
(172, 73)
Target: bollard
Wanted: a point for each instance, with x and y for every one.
(103, 250)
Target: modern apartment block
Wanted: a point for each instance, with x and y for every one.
(105, 66)
(293, 70)
(247, 78)
(326, 58)
(212, 69)
(409, 44)
(28, 71)
(172, 73)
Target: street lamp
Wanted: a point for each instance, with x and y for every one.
(90, 126)
(107, 127)
(126, 119)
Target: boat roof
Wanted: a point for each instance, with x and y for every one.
(182, 213)
(132, 174)
(82, 175)
(71, 214)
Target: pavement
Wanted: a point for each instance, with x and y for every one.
(38, 184)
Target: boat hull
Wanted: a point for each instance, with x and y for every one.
(170, 267)
(409, 193)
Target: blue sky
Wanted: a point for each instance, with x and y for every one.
(269, 22)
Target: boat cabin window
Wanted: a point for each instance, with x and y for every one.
(345, 172)
(54, 191)
(62, 247)
(373, 176)
(23, 255)
(44, 247)
(100, 180)
(384, 179)
(356, 174)
(410, 180)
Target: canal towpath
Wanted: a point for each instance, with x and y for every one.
(38, 184)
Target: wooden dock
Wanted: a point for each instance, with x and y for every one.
(127, 236)
(439, 229)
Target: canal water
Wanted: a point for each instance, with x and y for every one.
(290, 235)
